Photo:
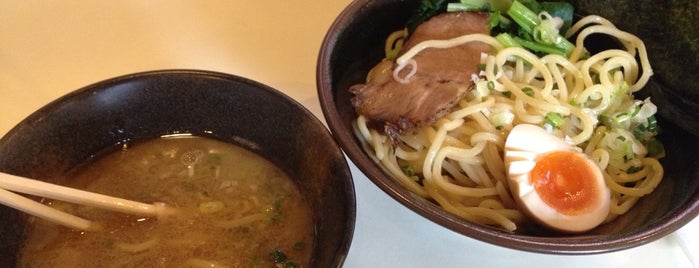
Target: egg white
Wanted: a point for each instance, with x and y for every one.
(524, 145)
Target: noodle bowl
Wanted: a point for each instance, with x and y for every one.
(129, 109)
(355, 43)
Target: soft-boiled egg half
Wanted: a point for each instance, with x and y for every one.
(554, 182)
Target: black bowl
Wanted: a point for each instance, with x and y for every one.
(101, 117)
(354, 43)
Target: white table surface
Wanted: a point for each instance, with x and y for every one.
(49, 48)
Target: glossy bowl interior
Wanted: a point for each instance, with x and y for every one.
(354, 44)
(101, 117)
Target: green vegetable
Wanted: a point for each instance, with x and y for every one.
(501, 118)
(529, 91)
(519, 19)
(479, 5)
(499, 5)
(498, 20)
(467, 5)
(540, 47)
(525, 17)
(542, 35)
(281, 260)
(491, 85)
(426, 10)
(645, 132)
(410, 172)
(561, 10)
(553, 119)
(574, 102)
(507, 40)
(619, 146)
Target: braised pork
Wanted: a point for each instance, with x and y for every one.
(443, 76)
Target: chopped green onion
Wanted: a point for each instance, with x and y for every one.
(605, 120)
(501, 117)
(553, 119)
(639, 132)
(491, 85)
(621, 117)
(652, 123)
(529, 91)
(645, 132)
(574, 102)
(409, 171)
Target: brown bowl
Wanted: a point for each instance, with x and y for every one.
(354, 44)
(71, 130)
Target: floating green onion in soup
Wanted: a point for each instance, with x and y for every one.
(235, 209)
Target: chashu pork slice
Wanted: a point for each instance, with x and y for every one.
(443, 76)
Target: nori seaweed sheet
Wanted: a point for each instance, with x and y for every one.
(670, 30)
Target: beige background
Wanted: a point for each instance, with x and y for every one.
(49, 48)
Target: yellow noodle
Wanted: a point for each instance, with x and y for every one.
(455, 171)
(646, 186)
(406, 155)
(394, 168)
(137, 247)
(459, 158)
(242, 221)
(622, 204)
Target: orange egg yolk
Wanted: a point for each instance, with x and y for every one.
(565, 181)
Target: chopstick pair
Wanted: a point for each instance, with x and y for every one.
(10, 183)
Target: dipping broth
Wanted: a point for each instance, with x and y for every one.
(235, 209)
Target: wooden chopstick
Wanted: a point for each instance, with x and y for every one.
(45, 212)
(10, 182)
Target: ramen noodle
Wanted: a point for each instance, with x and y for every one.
(587, 100)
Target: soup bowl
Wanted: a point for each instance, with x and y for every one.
(355, 43)
(104, 116)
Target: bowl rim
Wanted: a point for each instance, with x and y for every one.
(578, 245)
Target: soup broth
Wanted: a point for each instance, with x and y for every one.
(234, 209)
